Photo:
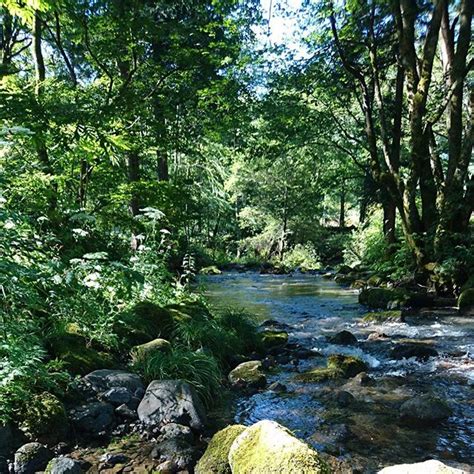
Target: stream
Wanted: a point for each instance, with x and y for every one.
(368, 433)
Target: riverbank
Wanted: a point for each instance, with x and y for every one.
(355, 386)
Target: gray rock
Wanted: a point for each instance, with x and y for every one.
(167, 467)
(174, 430)
(425, 409)
(112, 459)
(32, 457)
(178, 452)
(344, 338)
(93, 418)
(126, 412)
(431, 466)
(105, 379)
(117, 395)
(171, 401)
(64, 465)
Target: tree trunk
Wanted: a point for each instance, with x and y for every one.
(162, 165)
(134, 177)
(41, 126)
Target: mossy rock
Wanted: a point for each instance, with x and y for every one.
(216, 458)
(383, 317)
(144, 322)
(466, 300)
(468, 284)
(345, 269)
(141, 352)
(375, 280)
(273, 339)
(248, 375)
(77, 355)
(187, 311)
(211, 270)
(381, 297)
(267, 447)
(344, 279)
(45, 419)
(338, 366)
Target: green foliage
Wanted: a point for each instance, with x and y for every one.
(303, 257)
(198, 368)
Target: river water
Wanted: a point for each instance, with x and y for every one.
(368, 434)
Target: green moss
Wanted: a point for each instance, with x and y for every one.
(211, 270)
(77, 355)
(383, 316)
(45, 419)
(338, 366)
(215, 459)
(248, 374)
(381, 297)
(144, 322)
(143, 351)
(466, 299)
(273, 339)
(269, 447)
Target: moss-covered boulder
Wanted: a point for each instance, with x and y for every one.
(375, 280)
(64, 465)
(45, 419)
(273, 339)
(382, 297)
(211, 270)
(216, 458)
(77, 355)
(383, 317)
(144, 322)
(466, 300)
(141, 352)
(248, 375)
(267, 447)
(338, 366)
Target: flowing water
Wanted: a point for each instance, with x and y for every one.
(368, 433)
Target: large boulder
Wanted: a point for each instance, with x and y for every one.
(425, 409)
(418, 350)
(45, 419)
(93, 419)
(31, 457)
(64, 465)
(248, 375)
(338, 366)
(267, 447)
(428, 467)
(382, 298)
(216, 458)
(103, 380)
(171, 401)
(466, 300)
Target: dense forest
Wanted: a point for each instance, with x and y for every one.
(153, 153)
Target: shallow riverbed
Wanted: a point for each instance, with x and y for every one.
(368, 433)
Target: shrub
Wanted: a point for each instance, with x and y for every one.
(302, 256)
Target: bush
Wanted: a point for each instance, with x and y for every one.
(302, 256)
(198, 368)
